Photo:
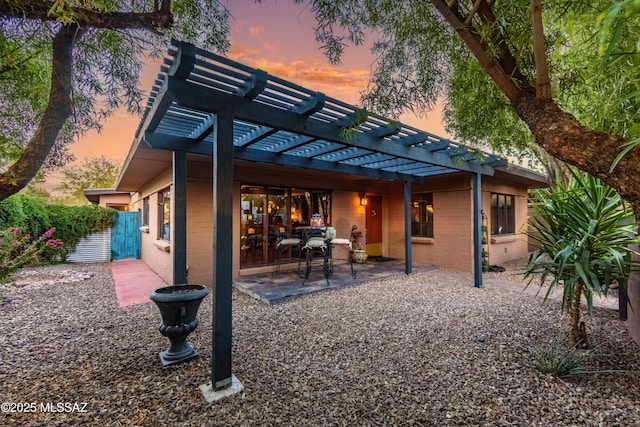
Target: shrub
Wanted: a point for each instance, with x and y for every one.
(75, 222)
(72, 223)
(559, 361)
(17, 250)
(26, 213)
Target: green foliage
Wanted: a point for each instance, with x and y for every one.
(95, 172)
(72, 223)
(351, 130)
(562, 362)
(21, 211)
(107, 64)
(36, 193)
(75, 222)
(599, 94)
(619, 43)
(613, 24)
(25, 72)
(421, 60)
(581, 232)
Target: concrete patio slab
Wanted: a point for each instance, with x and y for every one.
(287, 285)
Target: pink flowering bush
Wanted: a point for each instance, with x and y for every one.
(18, 250)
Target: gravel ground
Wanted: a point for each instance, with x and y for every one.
(415, 350)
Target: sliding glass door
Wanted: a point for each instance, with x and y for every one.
(267, 212)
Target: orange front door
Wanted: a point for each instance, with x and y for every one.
(374, 226)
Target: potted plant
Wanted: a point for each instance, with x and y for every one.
(358, 254)
(178, 306)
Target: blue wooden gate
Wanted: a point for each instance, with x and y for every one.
(125, 236)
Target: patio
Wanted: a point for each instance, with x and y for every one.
(287, 285)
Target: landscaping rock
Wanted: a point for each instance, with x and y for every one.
(412, 350)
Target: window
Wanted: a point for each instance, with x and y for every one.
(164, 215)
(422, 215)
(503, 214)
(145, 211)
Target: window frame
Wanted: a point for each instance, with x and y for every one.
(164, 211)
(503, 215)
(145, 211)
(424, 227)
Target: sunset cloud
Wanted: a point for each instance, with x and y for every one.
(345, 84)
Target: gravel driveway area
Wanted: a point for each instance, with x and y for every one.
(414, 350)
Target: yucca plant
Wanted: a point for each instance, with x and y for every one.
(561, 362)
(581, 232)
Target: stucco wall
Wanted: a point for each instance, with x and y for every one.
(346, 212)
(200, 231)
(452, 244)
(114, 200)
(508, 247)
(160, 261)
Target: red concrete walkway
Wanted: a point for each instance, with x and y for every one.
(134, 281)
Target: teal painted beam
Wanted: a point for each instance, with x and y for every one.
(221, 376)
(179, 236)
(477, 230)
(210, 100)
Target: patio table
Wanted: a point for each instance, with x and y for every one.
(322, 241)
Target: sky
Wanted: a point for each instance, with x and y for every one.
(278, 37)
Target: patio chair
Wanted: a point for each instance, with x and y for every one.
(314, 245)
(283, 245)
(347, 245)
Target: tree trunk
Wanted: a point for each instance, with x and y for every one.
(562, 136)
(577, 332)
(57, 112)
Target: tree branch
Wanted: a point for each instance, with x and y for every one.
(543, 86)
(562, 136)
(492, 65)
(57, 112)
(27, 9)
(506, 57)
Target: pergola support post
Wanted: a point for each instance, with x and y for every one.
(407, 228)
(179, 236)
(222, 255)
(477, 230)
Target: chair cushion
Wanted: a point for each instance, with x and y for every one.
(316, 243)
(289, 242)
(338, 241)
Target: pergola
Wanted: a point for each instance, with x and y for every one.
(206, 104)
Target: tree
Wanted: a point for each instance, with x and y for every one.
(23, 84)
(95, 172)
(422, 45)
(581, 232)
(74, 62)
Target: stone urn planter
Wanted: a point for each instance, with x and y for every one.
(178, 306)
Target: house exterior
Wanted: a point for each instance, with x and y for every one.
(226, 158)
(265, 197)
(109, 198)
(278, 179)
